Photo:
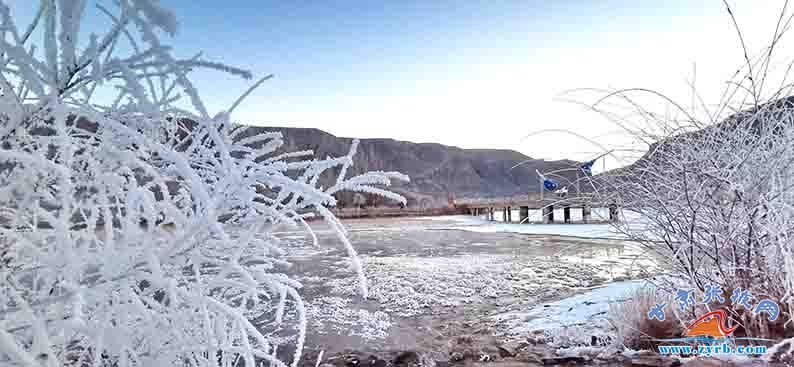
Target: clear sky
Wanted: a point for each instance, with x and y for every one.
(474, 74)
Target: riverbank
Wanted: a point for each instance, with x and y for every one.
(391, 212)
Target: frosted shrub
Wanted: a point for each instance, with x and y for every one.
(713, 194)
(136, 229)
(716, 202)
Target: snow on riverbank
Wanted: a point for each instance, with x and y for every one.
(571, 322)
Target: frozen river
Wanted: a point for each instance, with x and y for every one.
(456, 286)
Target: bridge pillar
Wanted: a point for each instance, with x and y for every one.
(613, 213)
(566, 214)
(523, 213)
(548, 214)
(586, 214)
(509, 214)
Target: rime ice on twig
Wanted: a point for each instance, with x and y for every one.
(135, 232)
(713, 193)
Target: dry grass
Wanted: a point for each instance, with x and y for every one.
(634, 329)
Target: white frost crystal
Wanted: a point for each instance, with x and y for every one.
(136, 231)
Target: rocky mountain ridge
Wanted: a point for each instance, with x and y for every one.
(438, 172)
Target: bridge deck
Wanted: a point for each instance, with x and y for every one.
(545, 202)
(535, 201)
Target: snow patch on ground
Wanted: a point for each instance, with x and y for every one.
(581, 308)
(572, 321)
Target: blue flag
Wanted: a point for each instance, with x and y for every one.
(587, 167)
(547, 182)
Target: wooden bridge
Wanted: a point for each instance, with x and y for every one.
(539, 201)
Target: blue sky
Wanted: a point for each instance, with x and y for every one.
(475, 74)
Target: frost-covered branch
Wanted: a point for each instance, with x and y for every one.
(136, 232)
(713, 194)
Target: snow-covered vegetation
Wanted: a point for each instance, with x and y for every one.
(714, 192)
(717, 204)
(136, 225)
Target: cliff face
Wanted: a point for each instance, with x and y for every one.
(436, 171)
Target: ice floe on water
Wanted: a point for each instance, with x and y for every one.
(411, 285)
(406, 286)
(337, 314)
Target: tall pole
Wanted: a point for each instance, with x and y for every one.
(577, 181)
